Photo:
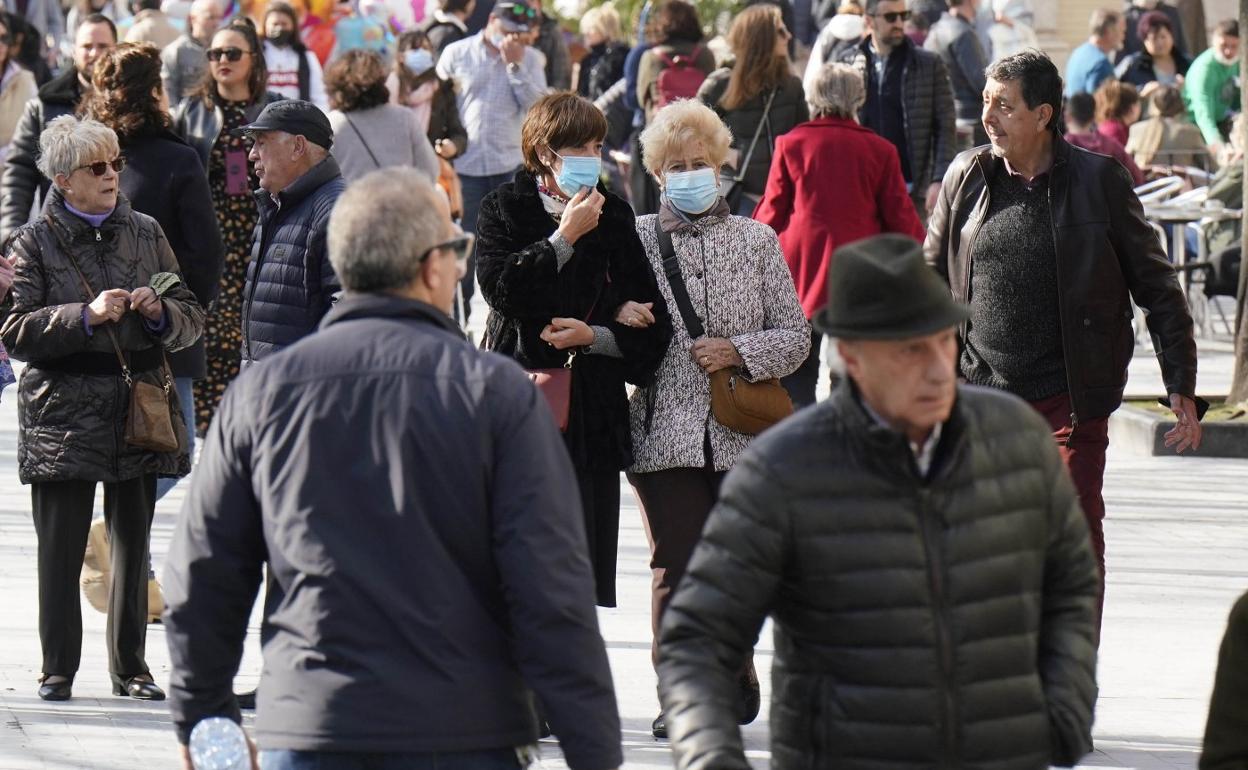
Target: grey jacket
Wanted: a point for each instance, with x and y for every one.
(380, 137)
(931, 130)
(423, 576)
(71, 421)
(957, 42)
(182, 65)
(939, 622)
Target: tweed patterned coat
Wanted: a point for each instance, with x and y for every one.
(742, 289)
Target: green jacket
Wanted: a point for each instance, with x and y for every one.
(1211, 94)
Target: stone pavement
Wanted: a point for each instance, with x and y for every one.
(1177, 533)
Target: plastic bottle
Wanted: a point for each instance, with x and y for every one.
(218, 743)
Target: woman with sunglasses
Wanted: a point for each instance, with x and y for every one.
(568, 285)
(232, 94)
(758, 97)
(96, 282)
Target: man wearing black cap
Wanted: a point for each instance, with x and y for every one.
(919, 547)
(290, 284)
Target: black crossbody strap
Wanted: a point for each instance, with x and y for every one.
(671, 267)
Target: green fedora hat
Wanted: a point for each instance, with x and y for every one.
(879, 288)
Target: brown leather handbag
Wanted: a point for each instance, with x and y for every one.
(149, 419)
(736, 403)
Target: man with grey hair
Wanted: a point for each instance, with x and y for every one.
(290, 284)
(917, 544)
(183, 61)
(409, 493)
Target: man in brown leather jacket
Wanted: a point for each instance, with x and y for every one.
(1049, 245)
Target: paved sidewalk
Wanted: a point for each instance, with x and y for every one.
(1177, 533)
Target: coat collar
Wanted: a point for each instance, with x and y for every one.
(989, 163)
(672, 220)
(320, 174)
(76, 227)
(355, 305)
(62, 89)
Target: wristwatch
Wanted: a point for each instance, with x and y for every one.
(513, 67)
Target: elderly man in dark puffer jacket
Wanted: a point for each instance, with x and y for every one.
(290, 284)
(920, 548)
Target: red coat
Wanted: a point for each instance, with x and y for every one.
(832, 182)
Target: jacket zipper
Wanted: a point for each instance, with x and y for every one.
(944, 640)
(124, 398)
(251, 295)
(1061, 315)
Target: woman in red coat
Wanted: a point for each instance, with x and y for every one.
(831, 182)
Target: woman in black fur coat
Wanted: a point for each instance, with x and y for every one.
(568, 284)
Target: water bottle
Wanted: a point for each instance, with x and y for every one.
(218, 743)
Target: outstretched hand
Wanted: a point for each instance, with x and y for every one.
(1187, 433)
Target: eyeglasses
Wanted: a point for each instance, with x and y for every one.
(460, 244)
(100, 167)
(229, 54)
(893, 17)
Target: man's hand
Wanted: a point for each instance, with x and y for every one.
(933, 192)
(512, 49)
(564, 333)
(7, 273)
(145, 301)
(1187, 432)
(187, 764)
(715, 353)
(635, 314)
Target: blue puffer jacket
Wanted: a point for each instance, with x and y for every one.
(290, 285)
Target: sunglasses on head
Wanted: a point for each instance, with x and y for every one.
(229, 54)
(893, 17)
(460, 244)
(100, 167)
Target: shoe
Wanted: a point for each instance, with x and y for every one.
(751, 696)
(658, 728)
(246, 700)
(155, 601)
(139, 687)
(543, 729)
(62, 690)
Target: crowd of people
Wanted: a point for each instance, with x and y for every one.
(262, 228)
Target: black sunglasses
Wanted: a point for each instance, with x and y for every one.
(100, 167)
(230, 54)
(893, 17)
(460, 244)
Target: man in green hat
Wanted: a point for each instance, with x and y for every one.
(919, 547)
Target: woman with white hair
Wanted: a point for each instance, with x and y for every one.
(751, 323)
(97, 301)
(832, 182)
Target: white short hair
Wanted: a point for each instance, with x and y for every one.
(379, 227)
(605, 20)
(68, 143)
(678, 125)
(837, 92)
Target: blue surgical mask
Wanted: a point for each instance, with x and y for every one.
(418, 60)
(692, 191)
(578, 172)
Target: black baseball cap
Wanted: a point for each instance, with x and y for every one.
(516, 15)
(294, 116)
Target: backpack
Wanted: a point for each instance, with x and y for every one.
(681, 77)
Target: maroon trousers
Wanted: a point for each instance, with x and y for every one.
(1083, 449)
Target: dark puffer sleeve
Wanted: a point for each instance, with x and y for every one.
(34, 330)
(716, 614)
(183, 312)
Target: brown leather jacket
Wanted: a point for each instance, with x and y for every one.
(1107, 255)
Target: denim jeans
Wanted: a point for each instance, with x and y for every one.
(183, 385)
(496, 759)
(475, 188)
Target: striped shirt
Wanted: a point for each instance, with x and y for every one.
(492, 102)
